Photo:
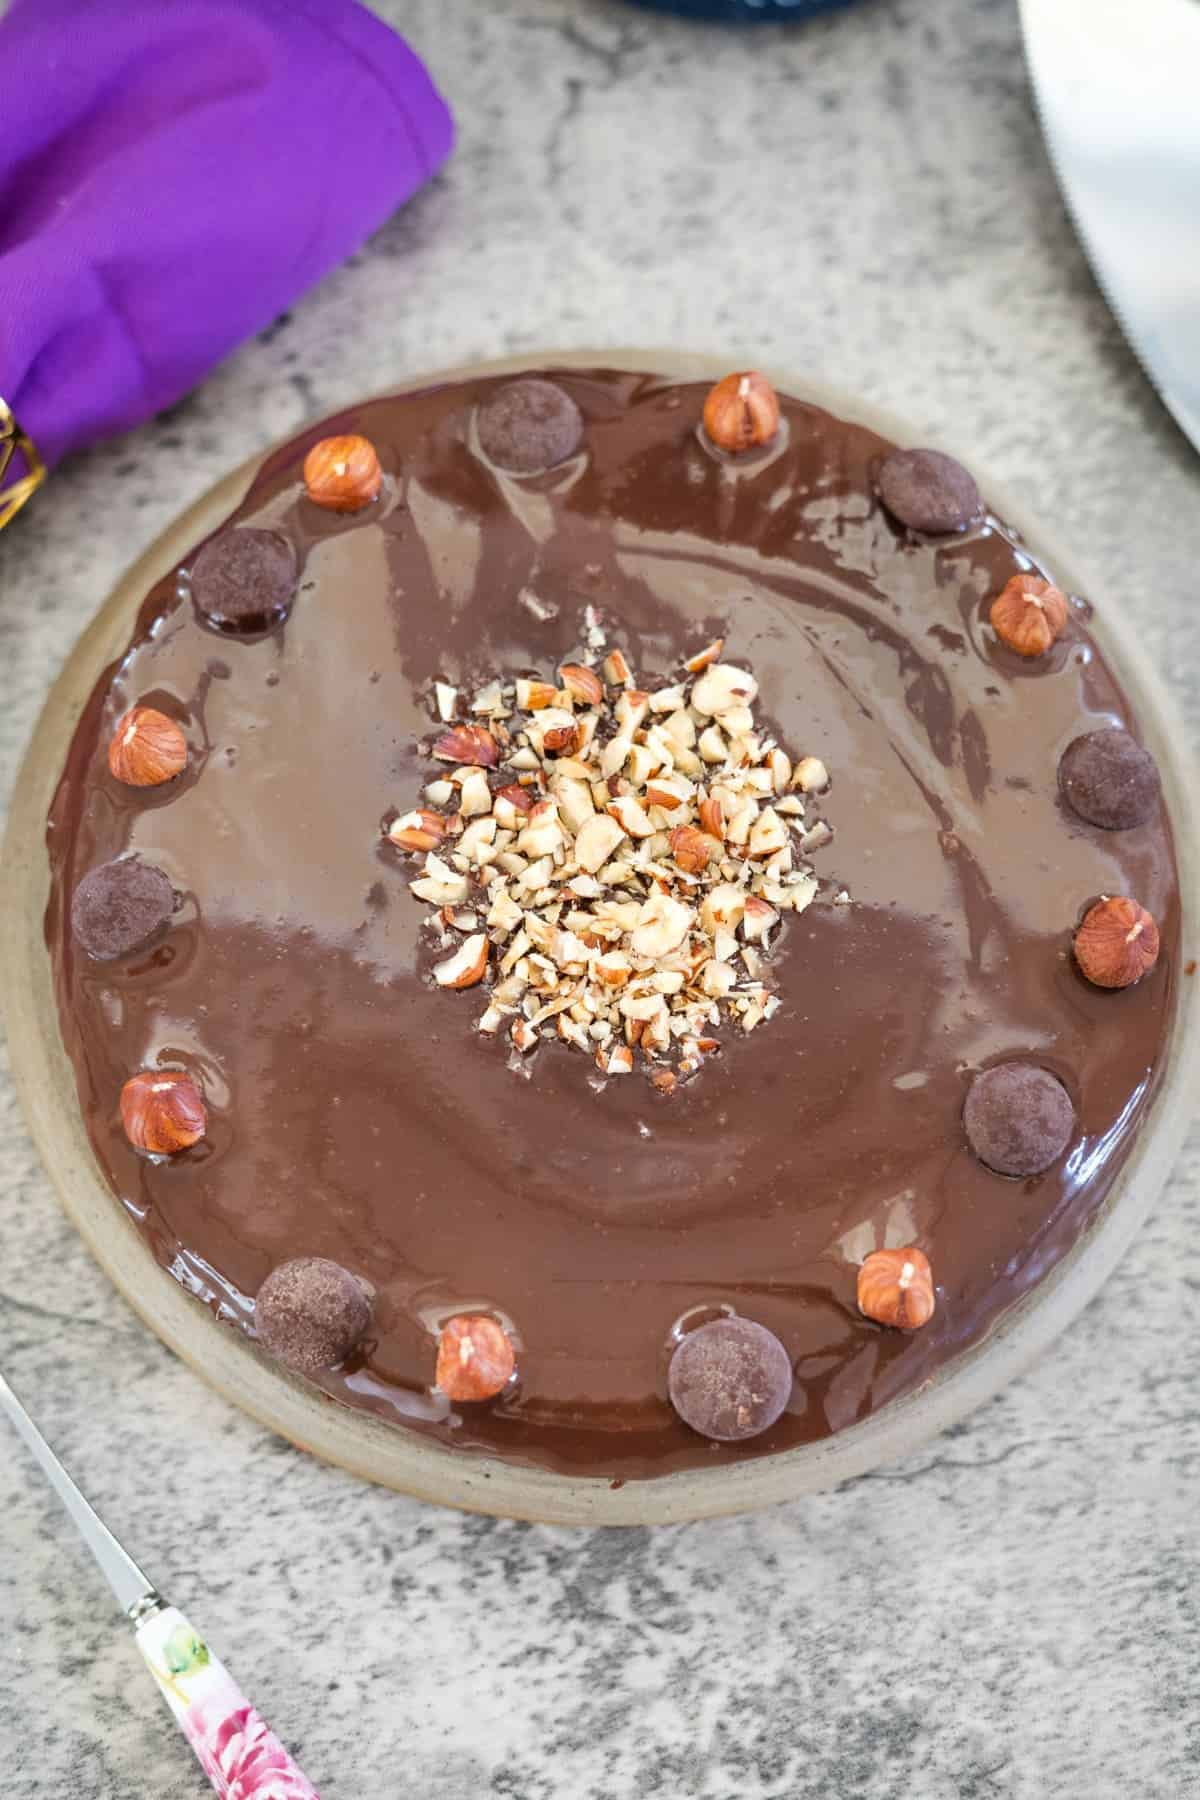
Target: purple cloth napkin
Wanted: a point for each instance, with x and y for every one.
(172, 174)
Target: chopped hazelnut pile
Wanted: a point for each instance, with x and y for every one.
(616, 863)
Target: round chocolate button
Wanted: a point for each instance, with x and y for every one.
(1109, 780)
(244, 579)
(528, 426)
(1018, 1118)
(311, 1313)
(928, 491)
(120, 906)
(730, 1379)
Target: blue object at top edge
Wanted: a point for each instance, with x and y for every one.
(744, 12)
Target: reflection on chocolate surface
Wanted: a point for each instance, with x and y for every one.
(352, 1111)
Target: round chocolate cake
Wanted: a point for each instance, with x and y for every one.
(611, 923)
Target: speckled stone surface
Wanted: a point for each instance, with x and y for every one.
(1012, 1613)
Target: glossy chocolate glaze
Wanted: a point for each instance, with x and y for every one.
(354, 1111)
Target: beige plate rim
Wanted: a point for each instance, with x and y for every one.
(399, 1459)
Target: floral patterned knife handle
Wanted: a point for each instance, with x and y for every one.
(237, 1749)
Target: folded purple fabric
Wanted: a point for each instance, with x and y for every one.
(172, 174)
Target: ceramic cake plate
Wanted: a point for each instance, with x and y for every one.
(402, 1460)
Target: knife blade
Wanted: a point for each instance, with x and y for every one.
(1118, 89)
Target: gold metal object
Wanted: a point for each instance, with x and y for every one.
(13, 441)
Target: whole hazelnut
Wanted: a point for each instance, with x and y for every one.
(741, 412)
(343, 474)
(895, 1287)
(162, 1112)
(475, 1358)
(1117, 943)
(147, 749)
(1028, 614)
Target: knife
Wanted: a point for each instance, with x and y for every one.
(1118, 88)
(234, 1745)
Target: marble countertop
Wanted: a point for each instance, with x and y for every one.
(1013, 1612)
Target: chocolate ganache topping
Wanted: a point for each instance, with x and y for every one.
(600, 1247)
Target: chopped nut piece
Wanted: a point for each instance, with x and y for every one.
(489, 699)
(575, 804)
(768, 833)
(543, 834)
(533, 696)
(704, 657)
(561, 739)
(662, 925)
(582, 684)
(691, 849)
(810, 775)
(504, 914)
(598, 838)
(614, 968)
(641, 763)
(446, 698)
(712, 816)
(440, 884)
(758, 919)
(630, 710)
(612, 757)
(737, 722)
(721, 687)
(474, 794)
(466, 967)
(723, 906)
(781, 770)
(467, 744)
(668, 791)
(718, 978)
(740, 822)
(521, 799)
(630, 816)
(616, 670)
(679, 730)
(418, 830)
(617, 1061)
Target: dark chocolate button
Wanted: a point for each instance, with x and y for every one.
(730, 1379)
(244, 579)
(311, 1313)
(928, 491)
(528, 425)
(1018, 1118)
(1109, 780)
(120, 906)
